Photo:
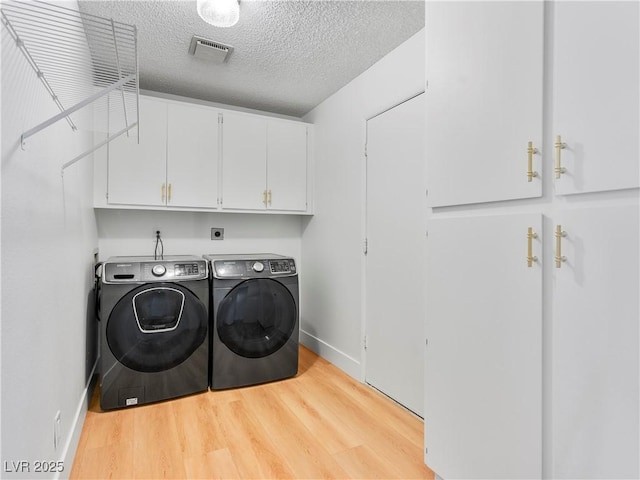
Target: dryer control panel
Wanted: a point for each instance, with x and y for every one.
(254, 268)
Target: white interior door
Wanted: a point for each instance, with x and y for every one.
(395, 262)
(595, 379)
(484, 100)
(483, 402)
(596, 94)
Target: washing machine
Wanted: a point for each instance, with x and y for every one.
(154, 326)
(254, 313)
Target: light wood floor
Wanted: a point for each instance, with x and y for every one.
(320, 424)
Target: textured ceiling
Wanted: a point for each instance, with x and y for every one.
(288, 55)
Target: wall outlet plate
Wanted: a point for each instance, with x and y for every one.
(217, 233)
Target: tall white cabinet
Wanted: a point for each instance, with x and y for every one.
(532, 362)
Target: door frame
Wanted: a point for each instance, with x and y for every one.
(364, 232)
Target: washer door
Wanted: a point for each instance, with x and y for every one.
(256, 318)
(156, 327)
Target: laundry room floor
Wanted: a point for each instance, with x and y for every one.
(320, 424)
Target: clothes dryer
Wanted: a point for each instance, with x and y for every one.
(154, 329)
(254, 314)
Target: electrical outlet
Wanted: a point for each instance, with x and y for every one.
(217, 233)
(57, 430)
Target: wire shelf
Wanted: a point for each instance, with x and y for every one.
(60, 43)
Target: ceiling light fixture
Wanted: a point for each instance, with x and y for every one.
(219, 13)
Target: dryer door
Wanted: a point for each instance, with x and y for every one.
(156, 327)
(256, 318)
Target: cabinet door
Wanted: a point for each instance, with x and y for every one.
(137, 171)
(192, 156)
(595, 345)
(244, 161)
(287, 165)
(596, 94)
(483, 380)
(484, 100)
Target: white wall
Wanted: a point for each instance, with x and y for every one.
(332, 256)
(48, 238)
(132, 232)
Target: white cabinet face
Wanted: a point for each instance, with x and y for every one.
(264, 164)
(287, 166)
(595, 345)
(137, 172)
(483, 411)
(244, 162)
(484, 100)
(596, 95)
(198, 157)
(192, 156)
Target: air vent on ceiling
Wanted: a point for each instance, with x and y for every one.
(210, 50)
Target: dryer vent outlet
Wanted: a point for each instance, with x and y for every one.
(217, 233)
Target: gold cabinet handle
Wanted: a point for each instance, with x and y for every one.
(164, 190)
(169, 194)
(269, 197)
(559, 147)
(264, 198)
(531, 258)
(559, 257)
(530, 152)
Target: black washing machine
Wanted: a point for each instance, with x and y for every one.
(254, 319)
(154, 329)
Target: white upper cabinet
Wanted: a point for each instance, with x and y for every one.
(137, 171)
(286, 165)
(484, 100)
(596, 95)
(192, 156)
(264, 163)
(175, 163)
(244, 161)
(198, 157)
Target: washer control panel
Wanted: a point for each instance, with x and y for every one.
(154, 271)
(262, 268)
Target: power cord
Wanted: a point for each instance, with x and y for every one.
(158, 244)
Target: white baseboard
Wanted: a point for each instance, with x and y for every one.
(344, 362)
(71, 446)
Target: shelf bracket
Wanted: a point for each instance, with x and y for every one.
(78, 58)
(75, 108)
